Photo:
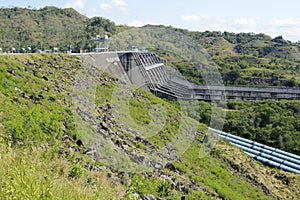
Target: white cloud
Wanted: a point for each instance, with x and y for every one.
(189, 17)
(241, 21)
(120, 5)
(137, 23)
(217, 27)
(244, 22)
(289, 28)
(194, 17)
(77, 4)
(104, 6)
(287, 22)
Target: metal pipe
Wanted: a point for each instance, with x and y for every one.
(265, 154)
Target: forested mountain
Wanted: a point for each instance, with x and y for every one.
(242, 58)
(253, 59)
(48, 28)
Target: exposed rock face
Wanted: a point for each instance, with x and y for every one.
(150, 197)
(123, 140)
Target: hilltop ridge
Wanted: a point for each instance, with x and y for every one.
(242, 58)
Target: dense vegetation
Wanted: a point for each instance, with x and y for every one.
(34, 116)
(44, 154)
(274, 123)
(241, 69)
(50, 28)
(242, 58)
(44, 160)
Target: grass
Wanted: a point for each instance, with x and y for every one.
(212, 174)
(276, 183)
(31, 132)
(220, 46)
(29, 174)
(153, 185)
(31, 112)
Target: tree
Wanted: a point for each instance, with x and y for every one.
(231, 77)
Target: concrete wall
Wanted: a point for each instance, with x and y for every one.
(146, 70)
(108, 62)
(245, 93)
(133, 71)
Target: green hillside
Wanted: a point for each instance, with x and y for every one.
(45, 159)
(44, 152)
(274, 123)
(242, 58)
(50, 28)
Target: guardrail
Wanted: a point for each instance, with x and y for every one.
(265, 154)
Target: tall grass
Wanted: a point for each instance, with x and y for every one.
(30, 175)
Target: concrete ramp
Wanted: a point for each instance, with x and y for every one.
(108, 62)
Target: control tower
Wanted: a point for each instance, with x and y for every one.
(102, 43)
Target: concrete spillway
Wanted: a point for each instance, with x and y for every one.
(107, 61)
(147, 70)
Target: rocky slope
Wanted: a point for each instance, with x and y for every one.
(37, 114)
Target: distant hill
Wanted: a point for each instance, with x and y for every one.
(242, 58)
(48, 28)
(245, 58)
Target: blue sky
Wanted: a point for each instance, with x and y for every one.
(272, 17)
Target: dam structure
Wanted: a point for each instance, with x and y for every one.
(145, 69)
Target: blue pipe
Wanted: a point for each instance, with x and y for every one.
(265, 154)
(257, 144)
(292, 162)
(269, 160)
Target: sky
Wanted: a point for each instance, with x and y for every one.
(272, 17)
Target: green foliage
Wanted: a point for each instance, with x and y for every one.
(76, 171)
(214, 175)
(50, 27)
(28, 174)
(153, 185)
(35, 107)
(164, 189)
(35, 112)
(275, 123)
(243, 59)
